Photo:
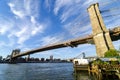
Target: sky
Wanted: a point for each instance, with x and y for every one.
(30, 24)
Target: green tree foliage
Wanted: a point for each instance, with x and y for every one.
(98, 62)
(111, 53)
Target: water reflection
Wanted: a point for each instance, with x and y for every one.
(36, 71)
(85, 75)
(82, 75)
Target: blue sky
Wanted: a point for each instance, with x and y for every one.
(29, 24)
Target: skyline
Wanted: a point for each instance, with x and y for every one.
(29, 24)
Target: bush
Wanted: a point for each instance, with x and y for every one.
(111, 53)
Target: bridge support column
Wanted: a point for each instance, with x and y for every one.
(101, 35)
(14, 52)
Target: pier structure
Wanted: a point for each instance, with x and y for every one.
(98, 68)
(107, 68)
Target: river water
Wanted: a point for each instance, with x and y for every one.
(37, 71)
(43, 71)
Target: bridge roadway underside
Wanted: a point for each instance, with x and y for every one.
(115, 35)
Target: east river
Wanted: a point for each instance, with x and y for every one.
(40, 71)
(36, 71)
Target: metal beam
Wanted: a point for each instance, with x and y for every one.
(114, 33)
(70, 43)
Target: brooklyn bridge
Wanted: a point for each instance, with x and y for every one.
(101, 37)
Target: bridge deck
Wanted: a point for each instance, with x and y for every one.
(114, 33)
(71, 43)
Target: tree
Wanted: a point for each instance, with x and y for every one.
(111, 53)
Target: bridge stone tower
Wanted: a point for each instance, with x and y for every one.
(101, 35)
(14, 52)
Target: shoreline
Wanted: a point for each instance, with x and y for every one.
(34, 62)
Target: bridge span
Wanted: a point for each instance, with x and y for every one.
(114, 34)
(101, 36)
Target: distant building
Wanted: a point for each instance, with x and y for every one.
(47, 59)
(57, 59)
(1, 58)
(42, 59)
(51, 57)
(28, 58)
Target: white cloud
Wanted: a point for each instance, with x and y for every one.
(21, 32)
(111, 18)
(24, 8)
(71, 8)
(33, 19)
(38, 29)
(26, 25)
(76, 30)
(50, 40)
(15, 11)
(113, 22)
(4, 25)
(3, 29)
(75, 17)
(60, 3)
(32, 7)
(26, 31)
(47, 3)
